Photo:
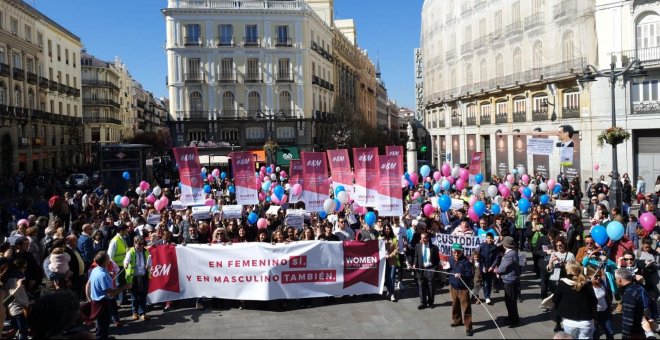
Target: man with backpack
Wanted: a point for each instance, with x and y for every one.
(636, 304)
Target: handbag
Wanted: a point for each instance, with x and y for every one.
(556, 271)
(547, 302)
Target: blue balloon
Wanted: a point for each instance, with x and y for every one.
(479, 178)
(339, 189)
(370, 218)
(437, 187)
(214, 208)
(223, 175)
(207, 188)
(406, 175)
(268, 199)
(599, 234)
(126, 175)
(444, 202)
(545, 199)
(231, 189)
(514, 171)
(269, 170)
(445, 184)
(323, 215)
(279, 192)
(265, 186)
(252, 218)
(479, 207)
(557, 189)
(427, 185)
(117, 200)
(425, 170)
(615, 230)
(495, 209)
(524, 205)
(337, 204)
(527, 192)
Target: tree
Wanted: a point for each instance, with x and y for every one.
(343, 121)
(160, 141)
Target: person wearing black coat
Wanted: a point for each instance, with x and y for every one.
(576, 302)
(540, 252)
(426, 256)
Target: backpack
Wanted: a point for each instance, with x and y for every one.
(650, 307)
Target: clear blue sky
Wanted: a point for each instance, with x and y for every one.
(134, 30)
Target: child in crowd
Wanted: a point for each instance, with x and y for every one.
(478, 279)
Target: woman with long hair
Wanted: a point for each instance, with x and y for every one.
(392, 249)
(576, 302)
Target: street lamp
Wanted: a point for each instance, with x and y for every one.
(638, 74)
(270, 146)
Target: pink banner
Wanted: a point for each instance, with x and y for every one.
(475, 166)
(396, 150)
(315, 176)
(295, 177)
(243, 167)
(190, 175)
(365, 161)
(340, 169)
(390, 201)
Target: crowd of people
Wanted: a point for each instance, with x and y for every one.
(88, 253)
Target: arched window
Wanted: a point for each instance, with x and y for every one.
(646, 31)
(3, 94)
(18, 96)
(517, 60)
(537, 54)
(254, 103)
(228, 104)
(568, 46)
(483, 70)
(499, 65)
(285, 102)
(196, 104)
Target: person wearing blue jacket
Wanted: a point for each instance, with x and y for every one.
(509, 271)
(489, 258)
(461, 272)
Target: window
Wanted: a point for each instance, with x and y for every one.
(517, 60)
(226, 33)
(254, 133)
(540, 103)
(501, 108)
(252, 69)
(467, 34)
(59, 53)
(471, 111)
(50, 48)
(18, 96)
(30, 65)
(285, 102)
(31, 103)
(254, 103)
(227, 69)
(482, 27)
(520, 105)
(286, 132)
(28, 33)
(648, 31)
(229, 135)
(74, 61)
(537, 55)
(40, 40)
(468, 74)
(497, 24)
(16, 59)
(3, 94)
(452, 81)
(515, 12)
(537, 6)
(193, 34)
(485, 110)
(66, 56)
(194, 72)
(96, 134)
(568, 46)
(228, 104)
(196, 104)
(197, 135)
(499, 65)
(572, 100)
(13, 26)
(283, 69)
(2, 20)
(645, 92)
(3, 55)
(251, 35)
(283, 35)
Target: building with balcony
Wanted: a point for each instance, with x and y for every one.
(40, 104)
(148, 113)
(240, 72)
(518, 67)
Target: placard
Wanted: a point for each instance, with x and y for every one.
(414, 209)
(540, 146)
(457, 204)
(201, 213)
(295, 218)
(273, 209)
(564, 205)
(153, 219)
(232, 211)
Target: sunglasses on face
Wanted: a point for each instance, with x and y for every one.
(559, 245)
(628, 259)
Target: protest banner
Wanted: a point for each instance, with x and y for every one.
(445, 241)
(244, 181)
(475, 167)
(190, 176)
(201, 213)
(153, 219)
(457, 204)
(232, 211)
(295, 218)
(390, 200)
(366, 165)
(396, 150)
(295, 177)
(340, 169)
(315, 178)
(264, 271)
(414, 209)
(540, 146)
(564, 205)
(273, 210)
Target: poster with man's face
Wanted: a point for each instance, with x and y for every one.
(566, 145)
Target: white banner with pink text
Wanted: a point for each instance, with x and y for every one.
(264, 271)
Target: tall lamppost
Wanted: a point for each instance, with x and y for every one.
(270, 146)
(636, 71)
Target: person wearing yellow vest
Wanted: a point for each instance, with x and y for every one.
(137, 264)
(117, 252)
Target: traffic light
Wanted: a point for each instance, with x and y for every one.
(423, 149)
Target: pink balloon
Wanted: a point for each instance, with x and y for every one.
(472, 200)
(404, 182)
(144, 185)
(165, 201)
(504, 191)
(648, 221)
(414, 178)
(429, 179)
(551, 184)
(596, 166)
(262, 223)
(509, 178)
(416, 195)
(460, 184)
(274, 199)
(446, 170)
(464, 174)
(284, 199)
(520, 190)
(451, 180)
(525, 179)
(215, 173)
(158, 205)
(263, 169)
(296, 189)
(209, 178)
(428, 210)
(437, 175)
(151, 199)
(473, 215)
(209, 202)
(283, 173)
(262, 196)
(125, 201)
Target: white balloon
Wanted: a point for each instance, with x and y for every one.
(455, 171)
(277, 169)
(533, 188)
(543, 186)
(492, 191)
(476, 189)
(522, 170)
(273, 177)
(507, 184)
(329, 206)
(498, 199)
(157, 191)
(287, 187)
(138, 191)
(342, 197)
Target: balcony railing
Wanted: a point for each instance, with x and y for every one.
(194, 40)
(466, 48)
(251, 42)
(32, 78)
(455, 121)
(563, 9)
(519, 116)
(100, 101)
(484, 119)
(225, 42)
(534, 20)
(514, 29)
(501, 117)
(61, 88)
(481, 42)
(647, 107)
(649, 55)
(283, 42)
(571, 112)
(284, 78)
(479, 4)
(227, 77)
(466, 7)
(195, 77)
(52, 85)
(102, 120)
(43, 82)
(100, 83)
(441, 123)
(4, 70)
(471, 120)
(451, 54)
(252, 78)
(496, 35)
(539, 115)
(19, 74)
(238, 4)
